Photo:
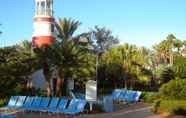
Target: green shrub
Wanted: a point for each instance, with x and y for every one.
(10, 86)
(149, 96)
(3, 102)
(172, 106)
(175, 89)
(166, 75)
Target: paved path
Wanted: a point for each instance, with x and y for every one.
(139, 110)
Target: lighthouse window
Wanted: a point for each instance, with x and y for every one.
(48, 8)
(43, 8)
(48, 4)
(52, 27)
(37, 8)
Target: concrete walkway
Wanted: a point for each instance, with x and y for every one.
(139, 110)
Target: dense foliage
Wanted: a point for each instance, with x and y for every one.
(150, 97)
(174, 89)
(173, 96)
(172, 106)
(93, 55)
(166, 75)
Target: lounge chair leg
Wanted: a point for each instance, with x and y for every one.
(40, 114)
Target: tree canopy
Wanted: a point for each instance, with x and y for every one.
(74, 56)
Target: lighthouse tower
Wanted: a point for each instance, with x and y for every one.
(43, 23)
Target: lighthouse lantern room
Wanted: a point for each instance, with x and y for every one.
(43, 23)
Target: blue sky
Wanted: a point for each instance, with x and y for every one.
(140, 22)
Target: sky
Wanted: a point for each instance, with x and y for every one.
(140, 22)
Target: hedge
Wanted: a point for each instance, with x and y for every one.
(174, 89)
(172, 106)
(149, 97)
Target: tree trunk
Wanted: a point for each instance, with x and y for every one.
(47, 75)
(60, 84)
(49, 88)
(59, 87)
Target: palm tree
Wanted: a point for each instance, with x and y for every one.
(121, 56)
(130, 58)
(165, 48)
(66, 28)
(67, 55)
(44, 55)
(128, 53)
(18, 59)
(70, 61)
(27, 57)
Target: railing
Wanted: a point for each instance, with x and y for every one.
(47, 12)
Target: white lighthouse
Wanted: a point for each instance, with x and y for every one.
(44, 23)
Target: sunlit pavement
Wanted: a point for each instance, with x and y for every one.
(138, 110)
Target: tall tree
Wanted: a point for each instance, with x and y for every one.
(15, 66)
(68, 56)
(103, 39)
(130, 59)
(44, 55)
(164, 49)
(66, 28)
(27, 57)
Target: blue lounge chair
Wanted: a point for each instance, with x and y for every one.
(61, 106)
(28, 102)
(122, 95)
(126, 95)
(76, 95)
(19, 102)
(52, 106)
(79, 96)
(130, 96)
(75, 108)
(43, 105)
(35, 104)
(72, 94)
(7, 116)
(137, 96)
(116, 93)
(11, 103)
